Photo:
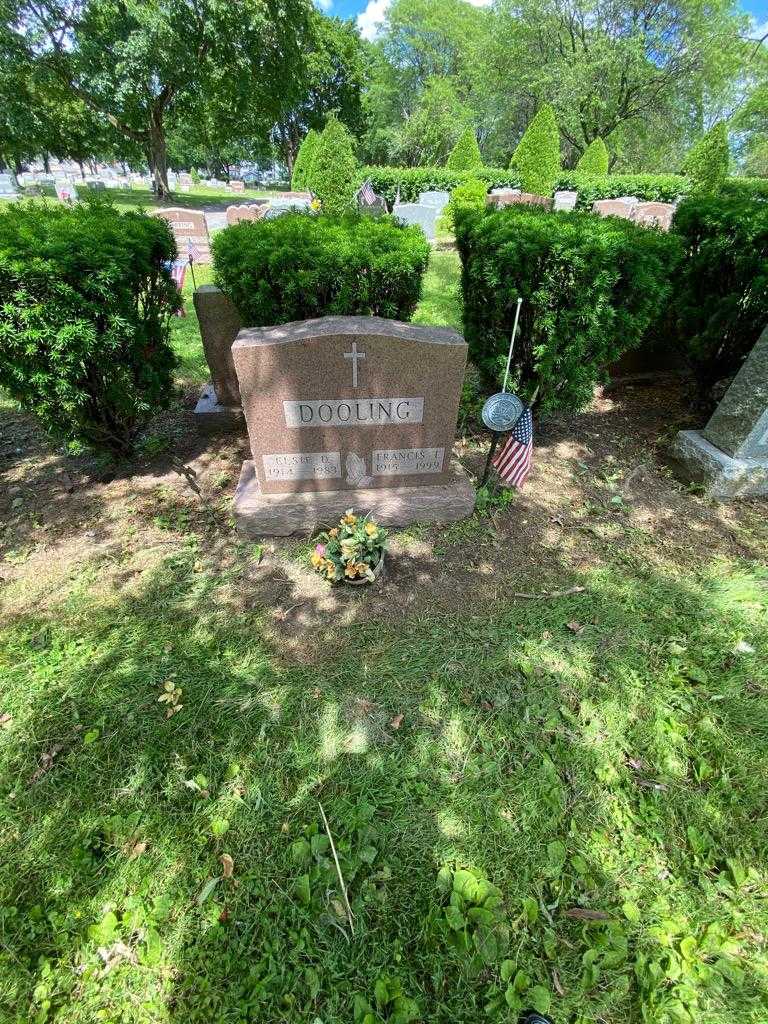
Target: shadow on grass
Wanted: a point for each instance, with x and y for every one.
(593, 753)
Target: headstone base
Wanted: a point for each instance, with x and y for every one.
(722, 476)
(282, 515)
(212, 416)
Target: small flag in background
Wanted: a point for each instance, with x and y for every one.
(193, 252)
(513, 459)
(366, 195)
(177, 269)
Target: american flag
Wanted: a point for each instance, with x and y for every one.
(177, 269)
(513, 459)
(366, 195)
(193, 252)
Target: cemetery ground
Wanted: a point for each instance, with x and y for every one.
(566, 692)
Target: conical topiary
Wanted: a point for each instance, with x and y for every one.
(303, 162)
(707, 163)
(465, 155)
(333, 174)
(537, 157)
(594, 160)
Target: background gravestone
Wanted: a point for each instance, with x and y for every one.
(730, 455)
(219, 404)
(188, 226)
(424, 215)
(349, 412)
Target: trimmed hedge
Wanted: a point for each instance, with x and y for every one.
(299, 266)
(332, 173)
(663, 188)
(660, 188)
(721, 297)
(591, 287)
(302, 165)
(470, 195)
(465, 155)
(595, 159)
(85, 313)
(412, 180)
(707, 163)
(537, 157)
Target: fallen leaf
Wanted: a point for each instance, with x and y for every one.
(5, 720)
(582, 914)
(136, 850)
(224, 916)
(396, 722)
(227, 864)
(317, 693)
(207, 889)
(556, 984)
(46, 761)
(338, 907)
(115, 954)
(364, 705)
(575, 627)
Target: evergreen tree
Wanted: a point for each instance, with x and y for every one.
(465, 155)
(707, 163)
(303, 165)
(334, 171)
(537, 157)
(594, 160)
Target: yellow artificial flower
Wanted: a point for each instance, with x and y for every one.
(316, 560)
(349, 518)
(334, 532)
(371, 529)
(351, 570)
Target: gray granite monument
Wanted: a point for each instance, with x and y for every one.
(730, 455)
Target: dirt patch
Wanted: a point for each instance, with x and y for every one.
(600, 486)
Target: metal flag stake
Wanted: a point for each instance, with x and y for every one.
(502, 410)
(512, 343)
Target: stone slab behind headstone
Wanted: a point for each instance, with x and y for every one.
(8, 188)
(613, 208)
(434, 197)
(188, 226)
(566, 201)
(349, 412)
(425, 217)
(219, 320)
(730, 455)
(657, 215)
(250, 212)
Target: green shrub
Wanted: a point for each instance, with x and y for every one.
(302, 165)
(594, 160)
(591, 288)
(537, 157)
(721, 297)
(470, 195)
(85, 308)
(465, 155)
(706, 166)
(333, 172)
(298, 266)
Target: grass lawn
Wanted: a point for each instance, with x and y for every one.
(555, 799)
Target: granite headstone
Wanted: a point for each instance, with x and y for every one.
(188, 227)
(730, 455)
(349, 412)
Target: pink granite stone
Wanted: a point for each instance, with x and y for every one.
(654, 214)
(613, 208)
(188, 226)
(350, 403)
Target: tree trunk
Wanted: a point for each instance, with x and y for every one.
(47, 163)
(158, 152)
(82, 169)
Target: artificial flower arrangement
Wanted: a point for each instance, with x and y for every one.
(350, 551)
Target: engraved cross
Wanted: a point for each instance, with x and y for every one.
(354, 355)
